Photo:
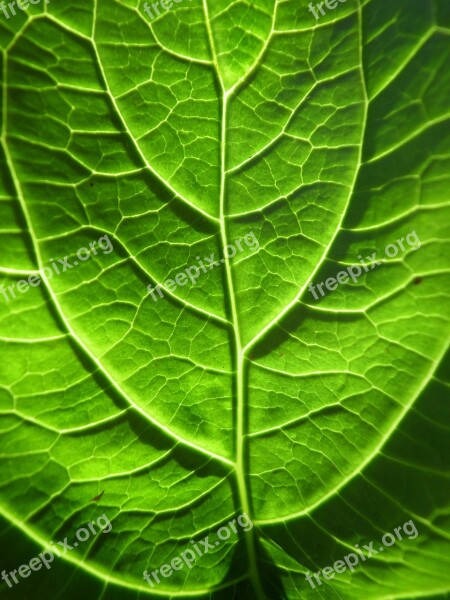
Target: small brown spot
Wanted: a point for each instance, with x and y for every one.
(417, 280)
(97, 498)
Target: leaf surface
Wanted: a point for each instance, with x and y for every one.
(325, 420)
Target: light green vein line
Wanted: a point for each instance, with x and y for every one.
(399, 218)
(296, 420)
(52, 338)
(404, 64)
(409, 138)
(412, 596)
(122, 474)
(95, 424)
(284, 198)
(306, 373)
(18, 272)
(23, 418)
(191, 502)
(427, 470)
(328, 24)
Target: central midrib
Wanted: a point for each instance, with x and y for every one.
(238, 349)
(240, 365)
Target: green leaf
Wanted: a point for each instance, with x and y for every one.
(325, 420)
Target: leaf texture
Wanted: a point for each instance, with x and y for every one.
(326, 421)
